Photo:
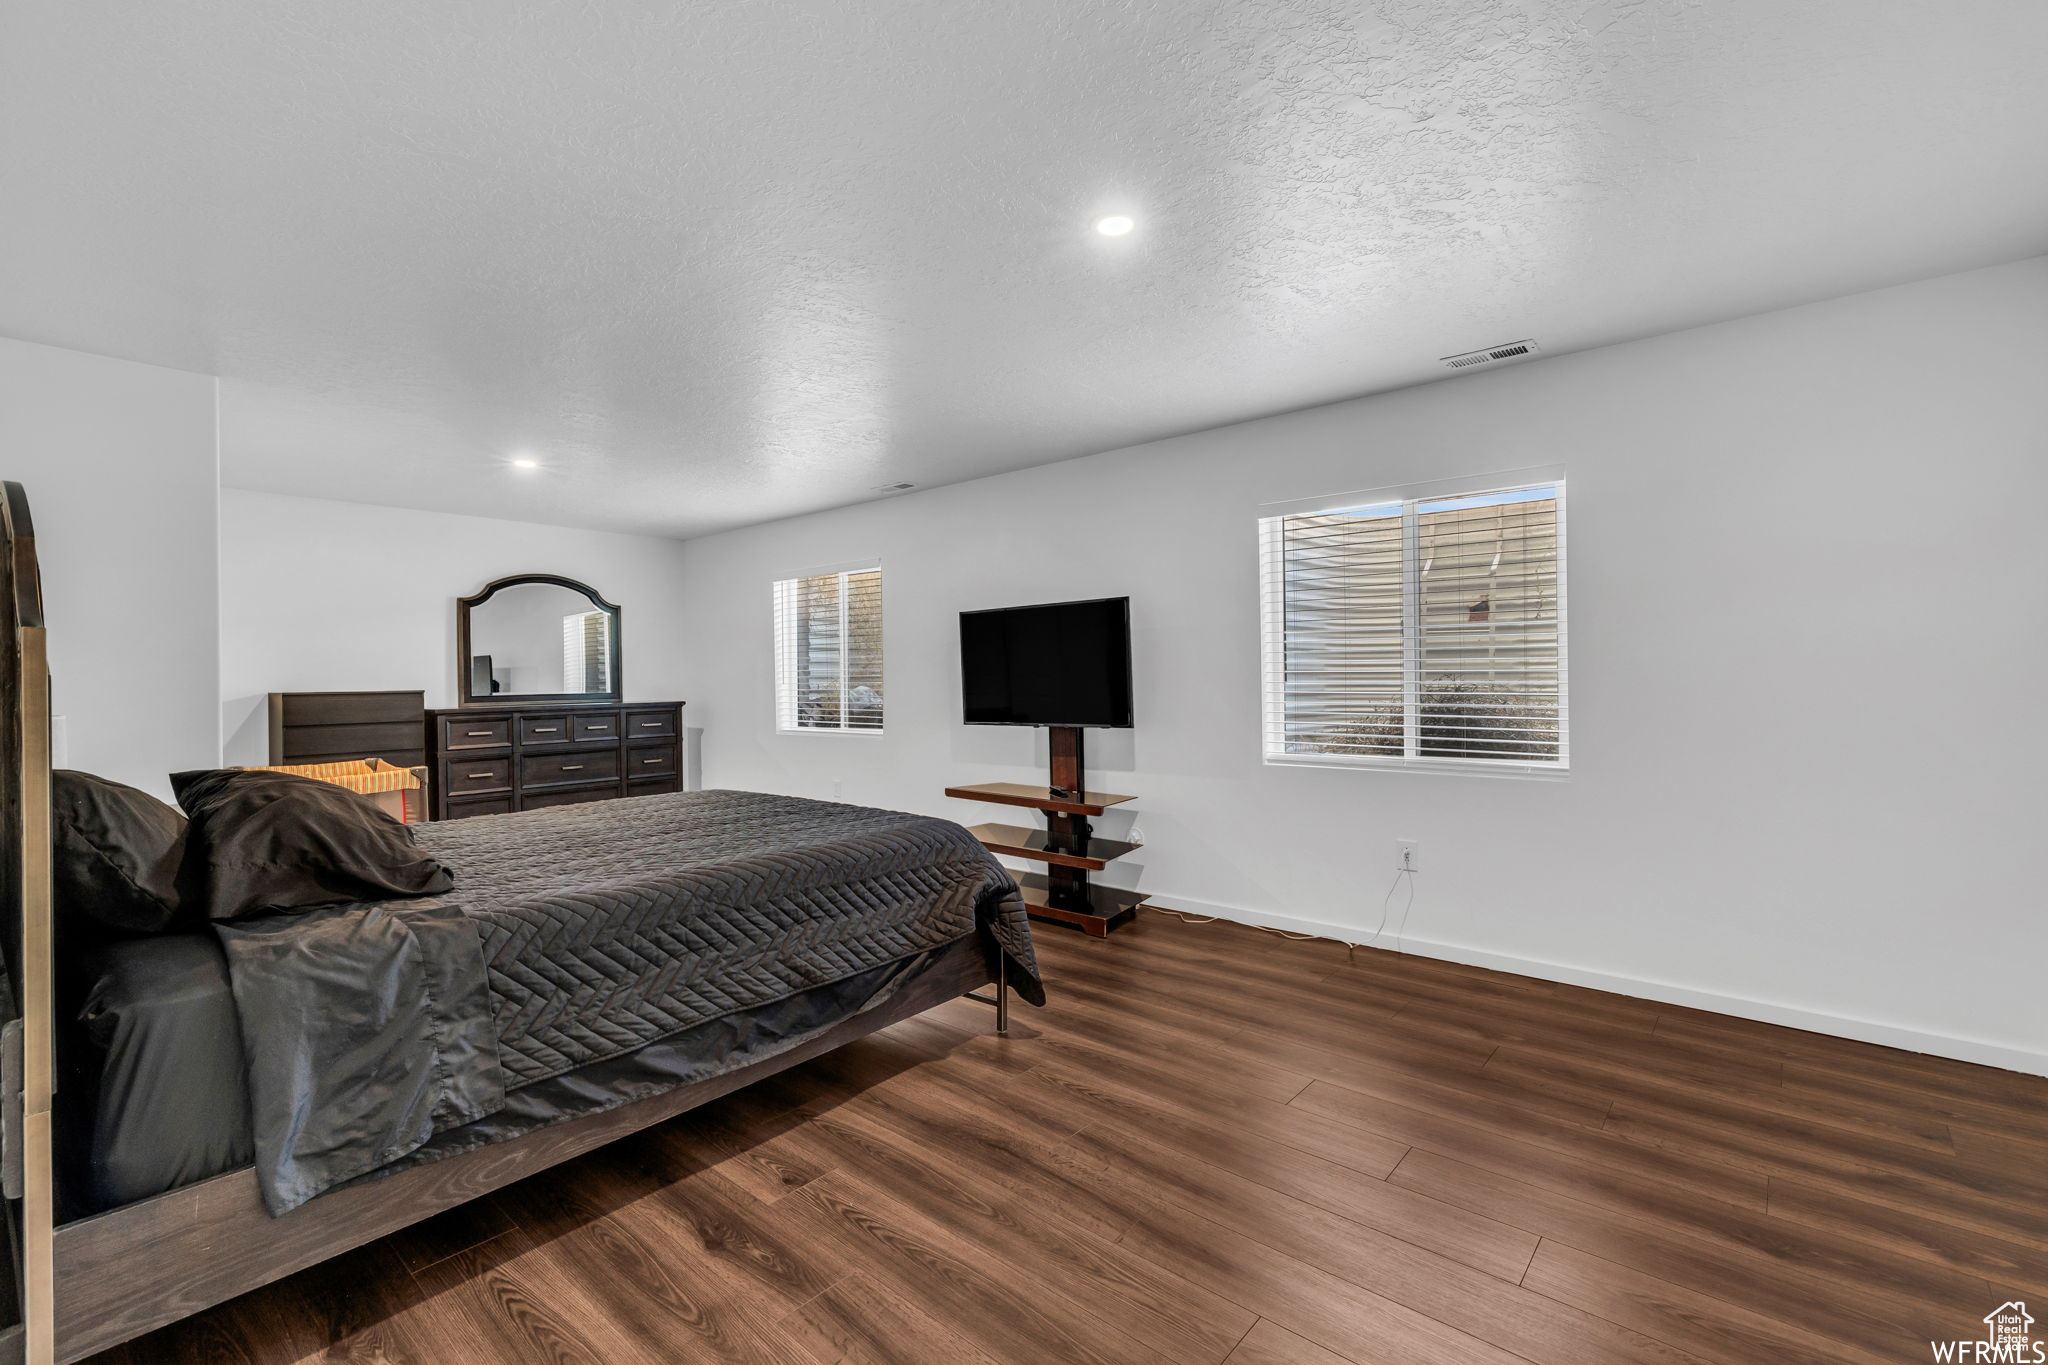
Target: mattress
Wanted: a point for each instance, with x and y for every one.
(154, 1076)
(608, 925)
(575, 938)
(163, 1097)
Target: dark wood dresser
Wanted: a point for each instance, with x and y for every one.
(488, 760)
(335, 727)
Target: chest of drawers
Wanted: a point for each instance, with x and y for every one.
(490, 760)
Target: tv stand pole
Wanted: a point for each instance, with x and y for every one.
(1067, 846)
(1066, 831)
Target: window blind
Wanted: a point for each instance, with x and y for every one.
(1418, 632)
(587, 652)
(828, 651)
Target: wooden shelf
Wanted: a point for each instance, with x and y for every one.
(1112, 906)
(1039, 798)
(1099, 908)
(1020, 842)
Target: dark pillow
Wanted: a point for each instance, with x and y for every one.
(116, 853)
(275, 841)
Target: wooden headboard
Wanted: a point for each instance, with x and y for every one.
(27, 1009)
(334, 727)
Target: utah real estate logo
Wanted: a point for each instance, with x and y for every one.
(2008, 1336)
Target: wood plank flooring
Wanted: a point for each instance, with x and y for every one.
(1218, 1145)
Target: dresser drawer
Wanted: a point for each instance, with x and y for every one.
(559, 770)
(489, 805)
(650, 725)
(653, 760)
(542, 800)
(489, 759)
(458, 732)
(544, 730)
(462, 777)
(655, 786)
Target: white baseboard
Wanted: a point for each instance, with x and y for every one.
(1982, 1051)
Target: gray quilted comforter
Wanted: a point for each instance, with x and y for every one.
(575, 935)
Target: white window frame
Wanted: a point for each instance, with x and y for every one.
(575, 653)
(783, 605)
(1272, 597)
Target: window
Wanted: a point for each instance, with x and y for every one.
(1418, 631)
(587, 652)
(828, 652)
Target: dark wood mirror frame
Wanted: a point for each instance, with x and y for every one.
(490, 590)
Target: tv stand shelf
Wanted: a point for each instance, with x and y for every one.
(1113, 905)
(1019, 842)
(1039, 798)
(1067, 845)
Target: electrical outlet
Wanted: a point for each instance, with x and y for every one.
(1408, 852)
(835, 789)
(1137, 834)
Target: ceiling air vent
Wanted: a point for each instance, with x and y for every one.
(1492, 355)
(894, 487)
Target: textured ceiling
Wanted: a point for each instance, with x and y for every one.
(720, 262)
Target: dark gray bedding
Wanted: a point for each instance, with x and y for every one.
(696, 1054)
(154, 1082)
(367, 1029)
(160, 1092)
(581, 934)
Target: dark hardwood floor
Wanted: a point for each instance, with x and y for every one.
(1218, 1144)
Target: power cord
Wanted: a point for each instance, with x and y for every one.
(1406, 906)
(1186, 918)
(1350, 948)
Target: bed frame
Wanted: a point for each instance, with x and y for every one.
(84, 1286)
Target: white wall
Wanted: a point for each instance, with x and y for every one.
(1809, 616)
(319, 595)
(118, 460)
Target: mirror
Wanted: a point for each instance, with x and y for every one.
(536, 637)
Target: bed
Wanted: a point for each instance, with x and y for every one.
(246, 1102)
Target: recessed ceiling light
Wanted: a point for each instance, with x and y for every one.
(525, 462)
(1116, 225)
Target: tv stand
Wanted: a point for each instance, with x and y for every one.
(1067, 845)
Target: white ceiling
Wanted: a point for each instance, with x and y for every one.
(720, 262)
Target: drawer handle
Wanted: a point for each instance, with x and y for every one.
(649, 722)
(572, 767)
(545, 729)
(650, 760)
(476, 734)
(597, 729)
(474, 776)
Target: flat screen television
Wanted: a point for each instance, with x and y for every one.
(1062, 663)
